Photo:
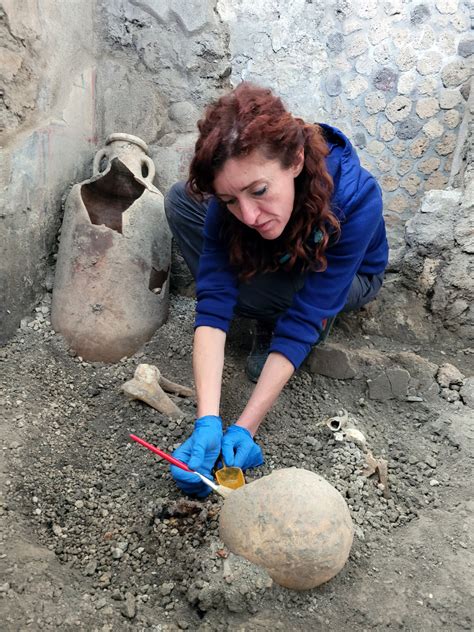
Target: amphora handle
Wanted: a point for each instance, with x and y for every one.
(102, 153)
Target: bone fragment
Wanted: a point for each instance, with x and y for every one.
(379, 467)
(338, 422)
(177, 389)
(356, 436)
(145, 386)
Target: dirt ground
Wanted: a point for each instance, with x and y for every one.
(95, 536)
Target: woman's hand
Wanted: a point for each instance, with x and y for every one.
(239, 449)
(200, 453)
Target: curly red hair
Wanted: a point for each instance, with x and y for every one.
(252, 118)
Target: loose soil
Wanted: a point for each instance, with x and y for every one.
(95, 535)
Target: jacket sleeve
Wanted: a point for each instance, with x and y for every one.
(216, 286)
(324, 294)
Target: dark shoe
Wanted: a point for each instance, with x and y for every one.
(262, 337)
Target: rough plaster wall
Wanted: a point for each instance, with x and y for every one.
(162, 61)
(392, 75)
(48, 120)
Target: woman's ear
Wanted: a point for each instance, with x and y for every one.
(299, 163)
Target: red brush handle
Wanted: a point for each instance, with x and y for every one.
(164, 455)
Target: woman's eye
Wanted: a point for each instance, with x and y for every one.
(260, 192)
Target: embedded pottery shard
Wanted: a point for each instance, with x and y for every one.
(111, 289)
(293, 523)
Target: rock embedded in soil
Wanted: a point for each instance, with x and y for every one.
(293, 523)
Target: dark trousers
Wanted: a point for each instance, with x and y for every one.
(266, 296)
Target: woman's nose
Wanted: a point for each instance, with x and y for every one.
(249, 212)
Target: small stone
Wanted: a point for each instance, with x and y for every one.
(357, 46)
(378, 32)
(428, 85)
(374, 102)
(335, 42)
(427, 39)
(446, 43)
(385, 80)
(389, 183)
(351, 25)
(436, 181)
(447, 6)
(100, 603)
(397, 203)
(366, 10)
(129, 608)
(365, 66)
(117, 553)
(399, 148)
(433, 129)
(90, 568)
(166, 589)
(375, 148)
(429, 63)
(448, 375)
(449, 395)
(434, 482)
(429, 165)
(384, 164)
(79, 504)
(426, 108)
(393, 383)
(414, 398)
(4, 587)
(398, 109)
(465, 90)
(331, 360)
(185, 114)
(419, 14)
(452, 118)
(411, 184)
(466, 47)
(387, 131)
(446, 145)
(467, 392)
(404, 166)
(393, 7)
(455, 73)
(408, 129)
(360, 140)
(449, 99)
(431, 462)
(356, 87)
(419, 146)
(370, 124)
(407, 82)
(406, 59)
(333, 85)
(57, 530)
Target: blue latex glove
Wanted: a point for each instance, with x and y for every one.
(239, 449)
(200, 453)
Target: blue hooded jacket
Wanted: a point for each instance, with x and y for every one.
(361, 248)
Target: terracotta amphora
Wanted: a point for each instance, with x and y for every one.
(111, 289)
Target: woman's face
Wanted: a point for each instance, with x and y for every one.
(258, 191)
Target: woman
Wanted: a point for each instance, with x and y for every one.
(280, 223)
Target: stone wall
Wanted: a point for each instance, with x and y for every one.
(392, 75)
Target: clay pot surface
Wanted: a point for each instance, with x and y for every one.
(293, 523)
(111, 289)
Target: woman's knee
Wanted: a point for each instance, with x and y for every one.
(174, 201)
